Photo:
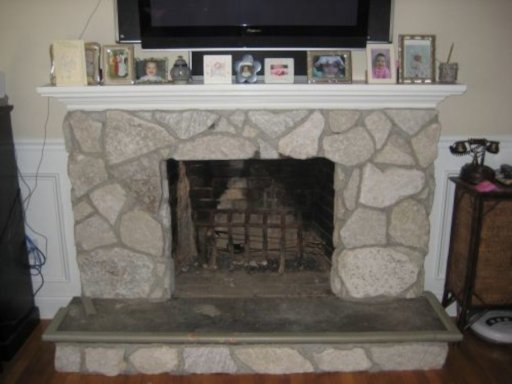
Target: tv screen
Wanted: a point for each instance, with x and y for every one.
(253, 23)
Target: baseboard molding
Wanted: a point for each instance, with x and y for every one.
(50, 213)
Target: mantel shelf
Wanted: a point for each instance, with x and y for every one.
(252, 96)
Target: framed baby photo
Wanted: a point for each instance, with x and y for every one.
(92, 63)
(151, 70)
(118, 64)
(279, 71)
(68, 62)
(381, 63)
(329, 66)
(217, 69)
(417, 58)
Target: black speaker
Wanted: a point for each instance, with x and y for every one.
(380, 21)
(127, 23)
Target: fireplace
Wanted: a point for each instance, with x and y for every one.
(128, 158)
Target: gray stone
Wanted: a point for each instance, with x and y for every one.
(382, 189)
(274, 124)
(85, 173)
(109, 201)
(208, 359)
(379, 126)
(143, 179)
(155, 360)
(411, 120)
(396, 152)
(414, 356)
(410, 224)
(140, 231)
(351, 148)
(94, 232)
(224, 126)
(302, 142)
(237, 119)
(336, 360)
(267, 151)
(376, 272)
(351, 191)
(68, 358)
(115, 273)
(215, 147)
(250, 132)
(274, 360)
(82, 210)
(187, 124)
(339, 205)
(340, 121)
(425, 144)
(87, 132)
(339, 177)
(365, 227)
(107, 361)
(127, 137)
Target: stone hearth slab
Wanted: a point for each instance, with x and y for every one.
(252, 320)
(250, 335)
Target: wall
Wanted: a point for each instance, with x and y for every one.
(480, 30)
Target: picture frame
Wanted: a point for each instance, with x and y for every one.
(332, 66)
(151, 70)
(171, 57)
(417, 58)
(68, 62)
(217, 69)
(92, 63)
(381, 64)
(279, 71)
(118, 64)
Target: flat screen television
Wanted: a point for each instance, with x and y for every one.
(283, 24)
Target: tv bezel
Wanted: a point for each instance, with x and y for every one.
(253, 37)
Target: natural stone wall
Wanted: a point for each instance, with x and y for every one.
(383, 180)
(118, 359)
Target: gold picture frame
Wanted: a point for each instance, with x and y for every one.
(417, 58)
(333, 66)
(92, 63)
(118, 64)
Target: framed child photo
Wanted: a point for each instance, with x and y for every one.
(329, 66)
(151, 70)
(92, 63)
(118, 64)
(417, 58)
(279, 71)
(381, 63)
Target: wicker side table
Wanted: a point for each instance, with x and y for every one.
(479, 271)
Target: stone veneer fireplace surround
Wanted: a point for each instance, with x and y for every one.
(383, 140)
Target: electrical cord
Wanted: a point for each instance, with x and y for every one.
(36, 260)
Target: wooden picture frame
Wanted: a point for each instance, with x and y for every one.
(118, 64)
(417, 58)
(279, 71)
(151, 70)
(381, 64)
(92, 63)
(333, 66)
(68, 62)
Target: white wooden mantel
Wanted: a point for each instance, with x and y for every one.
(252, 96)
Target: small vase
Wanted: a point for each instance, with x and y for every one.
(448, 73)
(180, 72)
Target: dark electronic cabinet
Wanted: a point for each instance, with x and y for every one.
(479, 271)
(18, 313)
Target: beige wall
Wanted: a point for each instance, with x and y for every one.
(480, 29)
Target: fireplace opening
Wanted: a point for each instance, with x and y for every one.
(252, 227)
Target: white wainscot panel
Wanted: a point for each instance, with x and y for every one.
(49, 221)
